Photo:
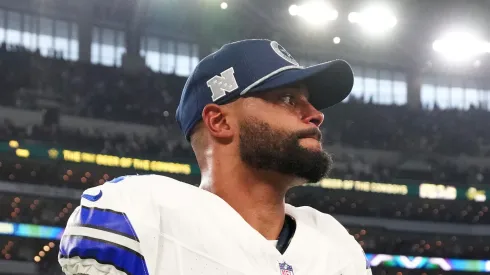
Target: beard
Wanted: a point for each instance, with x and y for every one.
(265, 148)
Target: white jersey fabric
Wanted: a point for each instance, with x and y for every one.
(155, 225)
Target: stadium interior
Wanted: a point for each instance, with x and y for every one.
(89, 91)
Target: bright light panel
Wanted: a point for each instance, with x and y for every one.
(374, 20)
(316, 13)
(460, 46)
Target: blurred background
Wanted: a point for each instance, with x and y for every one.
(88, 92)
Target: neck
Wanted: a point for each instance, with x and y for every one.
(256, 195)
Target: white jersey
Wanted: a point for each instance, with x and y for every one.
(155, 225)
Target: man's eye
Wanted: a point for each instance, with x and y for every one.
(288, 99)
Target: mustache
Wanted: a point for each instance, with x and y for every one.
(309, 133)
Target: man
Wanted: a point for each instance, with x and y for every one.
(251, 115)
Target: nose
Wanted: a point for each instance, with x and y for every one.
(313, 116)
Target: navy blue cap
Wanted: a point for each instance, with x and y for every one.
(255, 65)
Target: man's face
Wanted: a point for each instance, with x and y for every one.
(281, 134)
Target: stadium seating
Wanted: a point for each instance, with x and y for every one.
(151, 98)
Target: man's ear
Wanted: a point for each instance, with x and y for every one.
(215, 118)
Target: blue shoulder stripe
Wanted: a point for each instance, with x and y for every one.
(107, 220)
(118, 179)
(104, 252)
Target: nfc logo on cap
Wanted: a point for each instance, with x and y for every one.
(220, 85)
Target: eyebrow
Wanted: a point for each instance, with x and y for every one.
(302, 88)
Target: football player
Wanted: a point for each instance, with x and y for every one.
(252, 115)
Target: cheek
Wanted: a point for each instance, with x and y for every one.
(284, 123)
(279, 117)
(288, 122)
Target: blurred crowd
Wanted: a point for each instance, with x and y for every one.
(32, 82)
(390, 206)
(158, 147)
(87, 90)
(350, 166)
(401, 128)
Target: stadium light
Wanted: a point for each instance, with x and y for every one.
(374, 20)
(460, 46)
(316, 12)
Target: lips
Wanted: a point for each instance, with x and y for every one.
(313, 133)
(314, 137)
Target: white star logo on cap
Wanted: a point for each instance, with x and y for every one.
(283, 53)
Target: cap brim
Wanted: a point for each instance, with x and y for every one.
(328, 83)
